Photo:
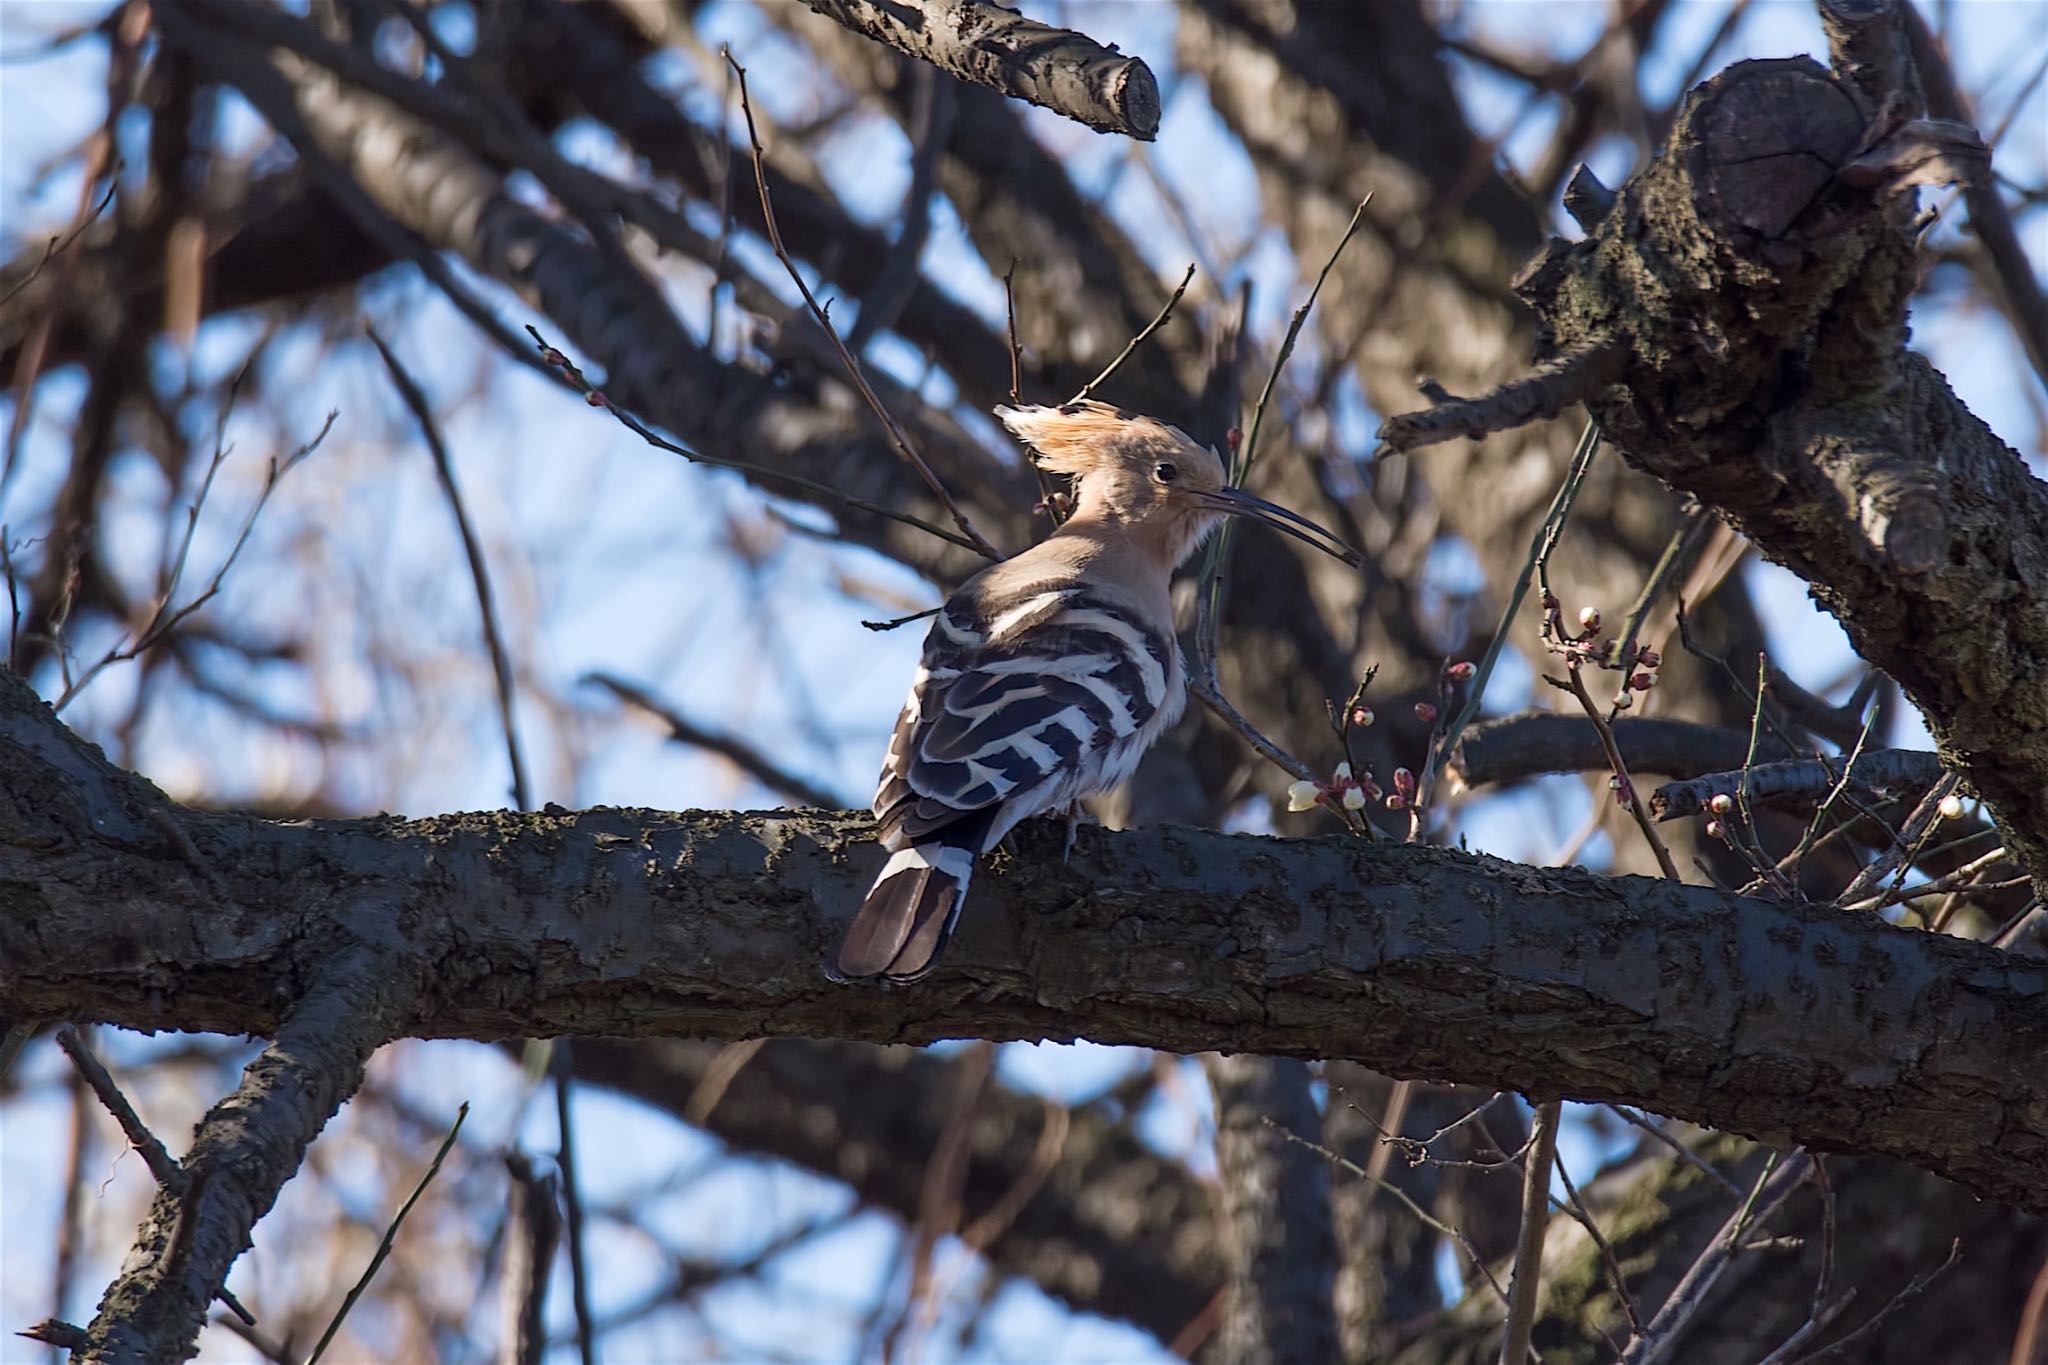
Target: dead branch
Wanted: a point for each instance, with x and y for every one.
(987, 44)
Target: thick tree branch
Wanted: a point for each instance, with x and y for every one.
(1834, 1029)
(1762, 289)
(1066, 72)
(344, 1003)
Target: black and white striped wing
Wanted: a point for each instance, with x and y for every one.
(1025, 705)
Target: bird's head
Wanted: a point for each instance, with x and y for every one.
(1149, 477)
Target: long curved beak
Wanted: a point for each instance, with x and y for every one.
(1239, 503)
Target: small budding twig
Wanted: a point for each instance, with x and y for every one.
(1539, 545)
(973, 538)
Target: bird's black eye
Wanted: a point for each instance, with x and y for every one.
(1165, 471)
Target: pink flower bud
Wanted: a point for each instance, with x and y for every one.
(1425, 712)
(1623, 701)
(1715, 830)
(1361, 716)
(1951, 807)
(596, 399)
(553, 357)
(1232, 438)
(1649, 658)
(1396, 801)
(1404, 782)
(1721, 803)
(1589, 618)
(1460, 671)
(1642, 682)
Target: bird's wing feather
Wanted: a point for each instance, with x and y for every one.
(1012, 698)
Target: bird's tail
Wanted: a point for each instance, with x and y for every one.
(904, 923)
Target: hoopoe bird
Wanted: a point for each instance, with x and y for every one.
(1045, 677)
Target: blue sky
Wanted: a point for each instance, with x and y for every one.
(609, 555)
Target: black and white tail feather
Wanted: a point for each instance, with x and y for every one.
(1029, 696)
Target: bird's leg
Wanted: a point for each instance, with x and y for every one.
(1077, 815)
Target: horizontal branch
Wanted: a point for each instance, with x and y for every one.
(1789, 1022)
(1058, 69)
(1515, 748)
(1901, 772)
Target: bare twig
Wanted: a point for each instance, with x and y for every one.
(895, 621)
(161, 1163)
(597, 398)
(1684, 1153)
(390, 1235)
(931, 125)
(757, 765)
(2025, 303)
(1144, 334)
(572, 1202)
(1545, 392)
(1209, 586)
(1528, 1275)
(1449, 1231)
(1774, 1186)
(1539, 549)
(1898, 1301)
(846, 358)
(164, 619)
(415, 401)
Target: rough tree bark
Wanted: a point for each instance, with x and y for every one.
(1066, 72)
(1779, 1021)
(1755, 279)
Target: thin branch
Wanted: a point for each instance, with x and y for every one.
(1539, 547)
(1144, 334)
(1774, 1186)
(931, 126)
(757, 765)
(479, 570)
(161, 1163)
(1898, 1301)
(245, 1150)
(390, 1236)
(846, 357)
(2025, 303)
(1684, 1153)
(1624, 786)
(1576, 1207)
(1528, 1275)
(164, 620)
(1543, 393)
(572, 1202)
(598, 398)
